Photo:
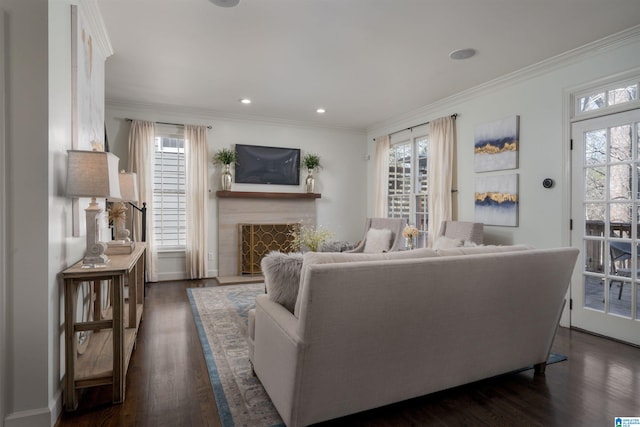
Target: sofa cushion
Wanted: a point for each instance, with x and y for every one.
(377, 241)
(311, 258)
(282, 277)
(482, 249)
(444, 242)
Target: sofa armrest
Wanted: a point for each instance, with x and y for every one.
(276, 354)
(279, 316)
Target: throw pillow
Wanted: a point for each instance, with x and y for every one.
(282, 277)
(444, 242)
(336, 246)
(377, 241)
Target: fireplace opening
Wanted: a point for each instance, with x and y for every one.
(257, 240)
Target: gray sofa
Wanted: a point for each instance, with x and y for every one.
(367, 333)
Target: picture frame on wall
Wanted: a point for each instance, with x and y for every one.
(496, 145)
(87, 104)
(497, 200)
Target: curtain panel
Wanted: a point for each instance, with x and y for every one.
(196, 167)
(141, 149)
(442, 140)
(381, 174)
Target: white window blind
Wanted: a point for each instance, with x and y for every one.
(408, 186)
(169, 215)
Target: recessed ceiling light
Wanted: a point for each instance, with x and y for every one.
(320, 111)
(245, 101)
(225, 3)
(462, 53)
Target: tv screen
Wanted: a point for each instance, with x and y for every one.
(267, 165)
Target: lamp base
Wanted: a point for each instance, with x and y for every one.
(95, 254)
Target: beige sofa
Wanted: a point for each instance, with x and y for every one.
(370, 333)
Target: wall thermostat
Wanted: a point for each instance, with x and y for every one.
(547, 183)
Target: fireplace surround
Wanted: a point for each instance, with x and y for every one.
(238, 207)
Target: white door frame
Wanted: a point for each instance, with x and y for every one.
(569, 97)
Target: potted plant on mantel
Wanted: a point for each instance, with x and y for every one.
(225, 156)
(311, 162)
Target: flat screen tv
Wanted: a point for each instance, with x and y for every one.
(256, 164)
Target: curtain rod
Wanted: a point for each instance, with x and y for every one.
(174, 124)
(453, 116)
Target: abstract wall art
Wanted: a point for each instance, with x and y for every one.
(496, 200)
(496, 145)
(87, 96)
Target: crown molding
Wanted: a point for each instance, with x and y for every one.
(191, 113)
(593, 49)
(92, 17)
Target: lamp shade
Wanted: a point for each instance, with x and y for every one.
(128, 187)
(92, 174)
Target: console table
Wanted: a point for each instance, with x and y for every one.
(111, 330)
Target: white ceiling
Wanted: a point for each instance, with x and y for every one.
(364, 61)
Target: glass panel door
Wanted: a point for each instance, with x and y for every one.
(605, 211)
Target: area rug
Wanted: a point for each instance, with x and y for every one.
(220, 314)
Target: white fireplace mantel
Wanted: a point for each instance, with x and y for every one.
(265, 195)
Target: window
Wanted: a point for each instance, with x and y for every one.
(169, 204)
(408, 184)
(607, 97)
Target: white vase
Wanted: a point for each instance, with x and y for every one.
(310, 183)
(226, 178)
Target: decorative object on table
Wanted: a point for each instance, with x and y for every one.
(410, 234)
(225, 157)
(496, 145)
(496, 200)
(93, 174)
(312, 163)
(309, 237)
(118, 214)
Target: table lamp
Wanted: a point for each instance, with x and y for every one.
(128, 194)
(93, 174)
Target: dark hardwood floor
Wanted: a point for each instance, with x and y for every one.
(168, 384)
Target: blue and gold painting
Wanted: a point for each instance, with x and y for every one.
(496, 200)
(496, 145)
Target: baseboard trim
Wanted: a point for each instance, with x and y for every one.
(178, 275)
(43, 417)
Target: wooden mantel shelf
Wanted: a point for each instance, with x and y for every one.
(266, 195)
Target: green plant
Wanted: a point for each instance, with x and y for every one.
(224, 156)
(309, 237)
(311, 161)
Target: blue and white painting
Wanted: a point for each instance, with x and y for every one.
(496, 145)
(496, 200)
